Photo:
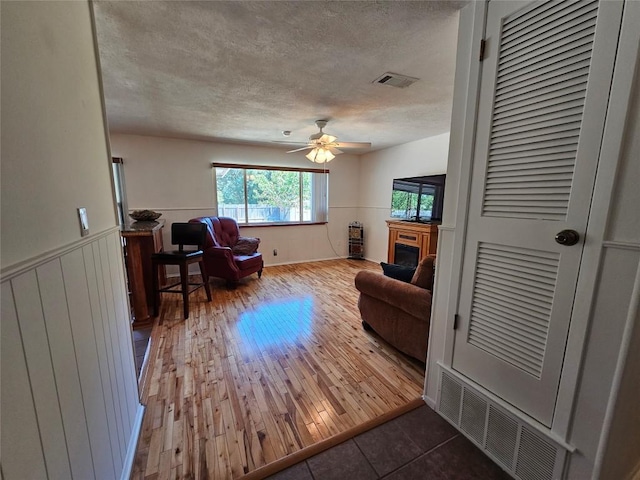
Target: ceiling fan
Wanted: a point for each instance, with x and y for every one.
(324, 147)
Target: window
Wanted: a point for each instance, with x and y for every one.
(119, 190)
(256, 195)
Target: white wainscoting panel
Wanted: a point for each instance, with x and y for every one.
(87, 359)
(65, 367)
(21, 446)
(41, 375)
(69, 392)
(105, 360)
(116, 264)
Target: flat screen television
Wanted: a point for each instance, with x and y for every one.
(418, 199)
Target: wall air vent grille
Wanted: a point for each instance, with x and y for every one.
(536, 457)
(450, 396)
(502, 436)
(508, 438)
(474, 414)
(395, 80)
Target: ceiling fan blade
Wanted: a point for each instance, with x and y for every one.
(327, 139)
(353, 144)
(334, 150)
(300, 149)
(285, 142)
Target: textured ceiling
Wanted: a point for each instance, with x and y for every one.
(244, 71)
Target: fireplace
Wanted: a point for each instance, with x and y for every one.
(406, 255)
(410, 242)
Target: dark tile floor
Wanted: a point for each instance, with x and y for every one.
(416, 445)
(140, 342)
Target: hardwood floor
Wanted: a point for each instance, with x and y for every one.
(263, 371)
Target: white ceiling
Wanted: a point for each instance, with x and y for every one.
(244, 71)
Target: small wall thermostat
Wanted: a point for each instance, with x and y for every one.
(84, 221)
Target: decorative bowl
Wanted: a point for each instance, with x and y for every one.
(144, 215)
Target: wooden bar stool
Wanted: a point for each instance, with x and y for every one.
(191, 234)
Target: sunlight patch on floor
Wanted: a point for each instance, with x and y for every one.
(276, 323)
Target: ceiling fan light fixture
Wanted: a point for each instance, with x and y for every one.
(320, 155)
(324, 147)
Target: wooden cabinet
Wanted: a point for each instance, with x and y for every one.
(420, 236)
(142, 239)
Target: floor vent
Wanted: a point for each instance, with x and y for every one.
(395, 80)
(509, 440)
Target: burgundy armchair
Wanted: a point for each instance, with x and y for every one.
(219, 258)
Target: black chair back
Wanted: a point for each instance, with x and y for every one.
(188, 234)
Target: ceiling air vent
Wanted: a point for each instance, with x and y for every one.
(395, 80)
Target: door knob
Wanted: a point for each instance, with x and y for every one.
(567, 237)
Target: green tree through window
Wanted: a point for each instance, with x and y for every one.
(272, 195)
(277, 188)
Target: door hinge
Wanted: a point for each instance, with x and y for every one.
(482, 44)
(456, 317)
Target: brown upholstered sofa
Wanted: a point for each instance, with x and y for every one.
(221, 256)
(397, 311)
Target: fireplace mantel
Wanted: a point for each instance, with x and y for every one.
(424, 236)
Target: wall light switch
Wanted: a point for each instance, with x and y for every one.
(84, 221)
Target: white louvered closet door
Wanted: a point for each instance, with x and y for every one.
(545, 82)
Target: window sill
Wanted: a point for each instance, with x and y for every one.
(282, 224)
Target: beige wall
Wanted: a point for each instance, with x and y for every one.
(377, 171)
(54, 154)
(175, 177)
(69, 396)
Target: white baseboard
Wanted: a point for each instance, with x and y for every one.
(303, 261)
(429, 401)
(133, 444)
(197, 272)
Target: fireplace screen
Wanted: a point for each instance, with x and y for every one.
(406, 255)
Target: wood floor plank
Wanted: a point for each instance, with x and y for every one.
(164, 467)
(155, 449)
(176, 444)
(224, 468)
(168, 430)
(264, 371)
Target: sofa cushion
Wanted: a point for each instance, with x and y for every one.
(399, 272)
(424, 273)
(408, 298)
(246, 246)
